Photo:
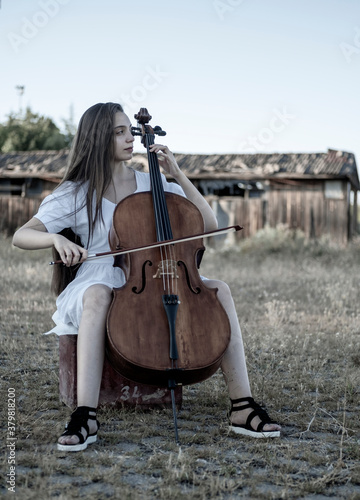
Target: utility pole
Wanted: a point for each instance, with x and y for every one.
(20, 90)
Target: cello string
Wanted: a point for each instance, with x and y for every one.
(170, 254)
(158, 210)
(153, 183)
(170, 260)
(163, 227)
(162, 216)
(161, 201)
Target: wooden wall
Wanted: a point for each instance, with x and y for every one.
(310, 212)
(306, 207)
(250, 213)
(302, 207)
(15, 211)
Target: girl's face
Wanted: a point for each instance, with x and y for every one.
(123, 147)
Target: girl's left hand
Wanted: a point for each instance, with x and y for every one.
(166, 159)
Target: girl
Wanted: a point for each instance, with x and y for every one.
(97, 179)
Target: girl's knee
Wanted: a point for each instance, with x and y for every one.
(223, 288)
(224, 294)
(97, 296)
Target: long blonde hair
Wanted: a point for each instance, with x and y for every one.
(89, 162)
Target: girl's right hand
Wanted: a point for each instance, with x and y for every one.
(70, 253)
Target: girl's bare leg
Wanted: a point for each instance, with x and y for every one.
(233, 365)
(90, 351)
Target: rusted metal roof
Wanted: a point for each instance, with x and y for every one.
(332, 164)
(44, 164)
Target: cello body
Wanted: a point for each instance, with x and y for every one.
(150, 342)
(137, 325)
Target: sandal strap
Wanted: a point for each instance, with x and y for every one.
(264, 417)
(78, 420)
(250, 404)
(258, 411)
(85, 410)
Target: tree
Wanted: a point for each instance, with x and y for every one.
(32, 132)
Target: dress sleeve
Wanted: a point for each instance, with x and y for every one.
(58, 210)
(143, 184)
(172, 187)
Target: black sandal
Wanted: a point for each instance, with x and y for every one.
(78, 421)
(246, 429)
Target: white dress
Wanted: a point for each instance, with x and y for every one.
(58, 211)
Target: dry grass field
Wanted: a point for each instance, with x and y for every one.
(299, 309)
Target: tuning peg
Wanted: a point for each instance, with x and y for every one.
(136, 131)
(159, 131)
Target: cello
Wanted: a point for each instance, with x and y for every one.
(165, 327)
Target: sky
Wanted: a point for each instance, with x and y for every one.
(220, 76)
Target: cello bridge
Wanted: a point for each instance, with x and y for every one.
(167, 268)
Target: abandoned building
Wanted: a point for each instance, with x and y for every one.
(313, 192)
